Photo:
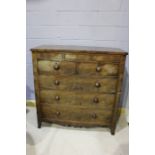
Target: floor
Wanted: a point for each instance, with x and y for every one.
(54, 139)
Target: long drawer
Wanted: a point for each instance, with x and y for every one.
(82, 115)
(64, 98)
(77, 83)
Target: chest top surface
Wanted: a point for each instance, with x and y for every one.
(79, 49)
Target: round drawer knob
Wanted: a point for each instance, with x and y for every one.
(94, 116)
(57, 82)
(58, 113)
(98, 69)
(57, 97)
(56, 67)
(97, 84)
(96, 100)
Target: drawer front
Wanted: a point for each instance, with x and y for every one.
(75, 83)
(98, 69)
(79, 57)
(92, 57)
(49, 56)
(56, 67)
(61, 98)
(79, 115)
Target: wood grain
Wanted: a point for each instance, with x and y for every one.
(90, 69)
(91, 57)
(45, 66)
(76, 114)
(104, 101)
(75, 83)
(79, 49)
(78, 86)
(35, 74)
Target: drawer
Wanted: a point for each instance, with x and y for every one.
(76, 83)
(49, 56)
(79, 57)
(93, 100)
(56, 67)
(93, 57)
(98, 69)
(84, 115)
(106, 58)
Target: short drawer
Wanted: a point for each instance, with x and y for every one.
(106, 58)
(50, 56)
(78, 57)
(77, 83)
(56, 67)
(104, 69)
(93, 100)
(86, 115)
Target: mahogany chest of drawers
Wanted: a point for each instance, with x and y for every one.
(78, 86)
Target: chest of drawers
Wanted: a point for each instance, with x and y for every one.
(78, 86)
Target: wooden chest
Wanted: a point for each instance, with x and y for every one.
(78, 86)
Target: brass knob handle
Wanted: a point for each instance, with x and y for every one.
(58, 113)
(98, 69)
(57, 97)
(96, 100)
(97, 84)
(57, 82)
(94, 116)
(56, 66)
